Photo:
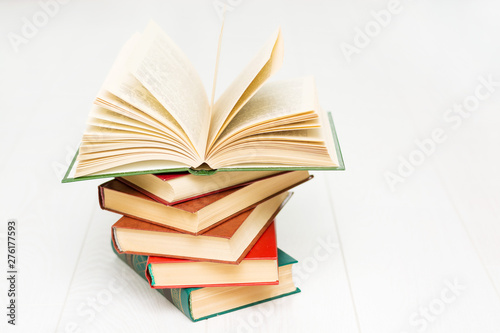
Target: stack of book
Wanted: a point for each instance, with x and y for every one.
(207, 243)
(200, 181)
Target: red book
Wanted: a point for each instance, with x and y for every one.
(259, 267)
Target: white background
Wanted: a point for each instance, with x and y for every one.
(394, 249)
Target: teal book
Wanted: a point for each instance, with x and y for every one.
(203, 303)
(152, 115)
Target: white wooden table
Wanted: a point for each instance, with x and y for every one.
(380, 249)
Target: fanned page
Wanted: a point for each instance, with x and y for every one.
(281, 125)
(285, 101)
(169, 76)
(152, 113)
(129, 125)
(245, 85)
(121, 88)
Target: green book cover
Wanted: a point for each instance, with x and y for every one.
(180, 297)
(68, 178)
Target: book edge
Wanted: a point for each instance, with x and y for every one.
(296, 291)
(340, 167)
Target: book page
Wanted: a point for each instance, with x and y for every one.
(126, 113)
(162, 68)
(256, 135)
(310, 135)
(217, 59)
(118, 106)
(276, 126)
(153, 159)
(122, 84)
(103, 113)
(288, 101)
(268, 153)
(132, 92)
(107, 130)
(308, 124)
(119, 135)
(246, 84)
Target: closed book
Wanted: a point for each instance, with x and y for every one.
(198, 215)
(259, 267)
(228, 242)
(203, 303)
(171, 188)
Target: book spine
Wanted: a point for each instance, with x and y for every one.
(100, 191)
(180, 297)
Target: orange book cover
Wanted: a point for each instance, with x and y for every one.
(224, 231)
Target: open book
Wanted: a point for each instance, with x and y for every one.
(153, 115)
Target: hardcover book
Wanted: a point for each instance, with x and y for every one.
(203, 303)
(228, 242)
(198, 215)
(174, 188)
(153, 115)
(259, 267)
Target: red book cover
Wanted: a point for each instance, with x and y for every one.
(168, 176)
(265, 249)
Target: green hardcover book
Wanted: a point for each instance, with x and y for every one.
(152, 115)
(203, 303)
